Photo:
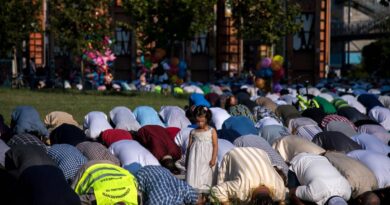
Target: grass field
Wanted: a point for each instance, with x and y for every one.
(79, 103)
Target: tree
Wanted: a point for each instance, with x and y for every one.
(265, 20)
(77, 25)
(18, 18)
(385, 2)
(376, 58)
(167, 21)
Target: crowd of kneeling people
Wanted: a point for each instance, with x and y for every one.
(221, 149)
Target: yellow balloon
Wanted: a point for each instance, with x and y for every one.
(278, 59)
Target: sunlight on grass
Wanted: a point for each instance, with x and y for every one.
(80, 103)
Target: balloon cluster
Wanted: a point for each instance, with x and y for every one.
(101, 59)
(268, 66)
(271, 69)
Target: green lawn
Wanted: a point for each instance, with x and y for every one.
(80, 103)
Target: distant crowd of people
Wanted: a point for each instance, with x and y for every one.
(230, 145)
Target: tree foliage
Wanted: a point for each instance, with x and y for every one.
(385, 2)
(76, 25)
(376, 57)
(265, 20)
(166, 21)
(18, 18)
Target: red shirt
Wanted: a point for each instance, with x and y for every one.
(157, 140)
(111, 136)
(172, 131)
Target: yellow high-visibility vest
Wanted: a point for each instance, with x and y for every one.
(111, 184)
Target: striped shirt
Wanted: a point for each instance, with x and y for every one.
(294, 124)
(308, 131)
(260, 143)
(68, 158)
(273, 132)
(290, 146)
(159, 186)
(244, 169)
(96, 151)
(329, 118)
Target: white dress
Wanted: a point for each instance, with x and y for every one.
(199, 174)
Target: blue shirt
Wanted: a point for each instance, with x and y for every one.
(160, 187)
(240, 124)
(199, 100)
(26, 119)
(146, 115)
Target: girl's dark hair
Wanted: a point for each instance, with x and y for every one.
(170, 165)
(202, 111)
(190, 113)
(228, 102)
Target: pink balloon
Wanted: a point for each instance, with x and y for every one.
(266, 62)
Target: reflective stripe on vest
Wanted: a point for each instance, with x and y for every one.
(111, 184)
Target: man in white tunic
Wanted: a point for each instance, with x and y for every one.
(95, 122)
(132, 155)
(380, 115)
(319, 180)
(124, 119)
(219, 116)
(174, 116)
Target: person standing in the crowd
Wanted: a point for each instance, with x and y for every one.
(202, 151)
(32, 73)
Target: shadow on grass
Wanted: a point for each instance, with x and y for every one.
(110, 93)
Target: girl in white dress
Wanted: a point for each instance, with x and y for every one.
(202, 152)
